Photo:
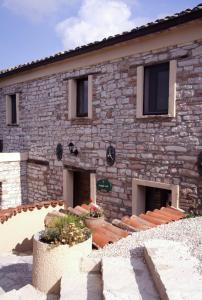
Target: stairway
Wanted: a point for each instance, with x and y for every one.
(114, 278)
(167, 272)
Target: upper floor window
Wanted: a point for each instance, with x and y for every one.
(82, 98)
(12, 110)
(156, 88)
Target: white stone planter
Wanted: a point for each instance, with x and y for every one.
(51, 262)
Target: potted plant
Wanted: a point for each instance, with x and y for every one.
(58, 250)
(95, 216)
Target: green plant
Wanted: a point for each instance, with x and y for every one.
(193, 213)
(95, 211)
(69, 230)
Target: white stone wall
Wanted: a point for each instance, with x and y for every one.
(158, 149)
(13, 179)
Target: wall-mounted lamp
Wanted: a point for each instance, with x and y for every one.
(72, 149)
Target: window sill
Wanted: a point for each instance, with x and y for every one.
(13, 125)
(168, 116)
(81, 121)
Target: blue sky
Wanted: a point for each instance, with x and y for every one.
(32, 29)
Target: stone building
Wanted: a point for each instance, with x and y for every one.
(139, 92)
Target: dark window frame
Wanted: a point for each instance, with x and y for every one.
(13, 109)
(82, 97)
(153, 94)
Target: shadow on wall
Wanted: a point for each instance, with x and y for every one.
(25, 246)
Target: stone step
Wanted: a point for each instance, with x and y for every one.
(174, 270)
(81, 286)
(9, 295)
(127, 279)
(27, 292)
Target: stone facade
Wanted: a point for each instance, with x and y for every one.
(155, 149)
(13, 183)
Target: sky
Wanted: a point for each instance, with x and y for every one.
(33, 29)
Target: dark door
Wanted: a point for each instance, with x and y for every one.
(81, 188)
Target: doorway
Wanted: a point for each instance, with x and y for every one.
(81, 192)
(79, 186)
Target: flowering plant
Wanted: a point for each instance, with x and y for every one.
(95, 211)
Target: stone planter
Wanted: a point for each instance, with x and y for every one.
(51, 262)
(94, 222)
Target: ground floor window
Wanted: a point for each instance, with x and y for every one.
(155, 198)
(150, 195)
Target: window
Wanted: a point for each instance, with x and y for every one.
(1, 146)
(156, 86)
(12, 111)
(156, 90)
(82, 98)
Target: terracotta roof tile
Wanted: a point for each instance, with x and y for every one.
(7, 213)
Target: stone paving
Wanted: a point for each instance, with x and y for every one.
(15, 271)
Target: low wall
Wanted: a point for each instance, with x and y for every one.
(13, 179)
(17, 232)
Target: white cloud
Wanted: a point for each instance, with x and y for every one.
(34, 10)
(97, 19)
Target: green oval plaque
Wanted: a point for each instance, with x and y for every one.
(104, 185)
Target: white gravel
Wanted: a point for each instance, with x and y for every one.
(188, 231)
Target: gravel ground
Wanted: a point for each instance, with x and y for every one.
(188, 231)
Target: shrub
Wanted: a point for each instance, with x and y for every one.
(69, 230)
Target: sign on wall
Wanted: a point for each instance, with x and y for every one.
(104, 185)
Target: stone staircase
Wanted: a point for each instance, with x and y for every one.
(167, 272)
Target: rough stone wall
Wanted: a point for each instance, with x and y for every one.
(157, 149)
(13, 179)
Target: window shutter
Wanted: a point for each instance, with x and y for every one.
(172, 89)
(71, 99)
(8, 110)
(90, 96)
(140, 88)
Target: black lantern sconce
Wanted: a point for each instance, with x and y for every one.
(72, 149)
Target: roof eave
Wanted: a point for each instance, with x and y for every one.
(153, 28)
